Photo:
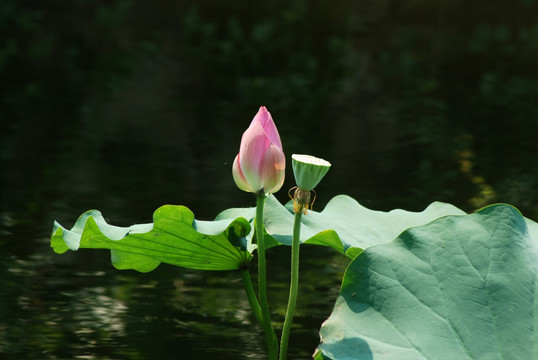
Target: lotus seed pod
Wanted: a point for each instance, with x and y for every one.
(308, 170)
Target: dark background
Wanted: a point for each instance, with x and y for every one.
(126, 105)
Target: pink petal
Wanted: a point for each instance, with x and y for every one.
(239, 178)
(254, 145)
(266, 120)
(273, 166)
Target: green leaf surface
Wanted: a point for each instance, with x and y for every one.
(344, 224)
(174, 237)
(461, 287)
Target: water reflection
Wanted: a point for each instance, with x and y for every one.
(76, 306)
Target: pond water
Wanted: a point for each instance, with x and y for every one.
(76, 306)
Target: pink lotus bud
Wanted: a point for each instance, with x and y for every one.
(260, 164)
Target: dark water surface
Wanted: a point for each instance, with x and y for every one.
(76, 306)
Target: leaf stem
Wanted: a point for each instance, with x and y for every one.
(272, 342)
(251, 295)
(294, 284)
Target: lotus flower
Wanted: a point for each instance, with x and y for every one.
(259, 166)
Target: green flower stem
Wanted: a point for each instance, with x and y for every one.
(272, 342)
(294, 284)
(251, 295)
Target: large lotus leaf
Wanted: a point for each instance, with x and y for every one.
(344, 224)
(461, 287)
(174, 238)
(177, 238)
